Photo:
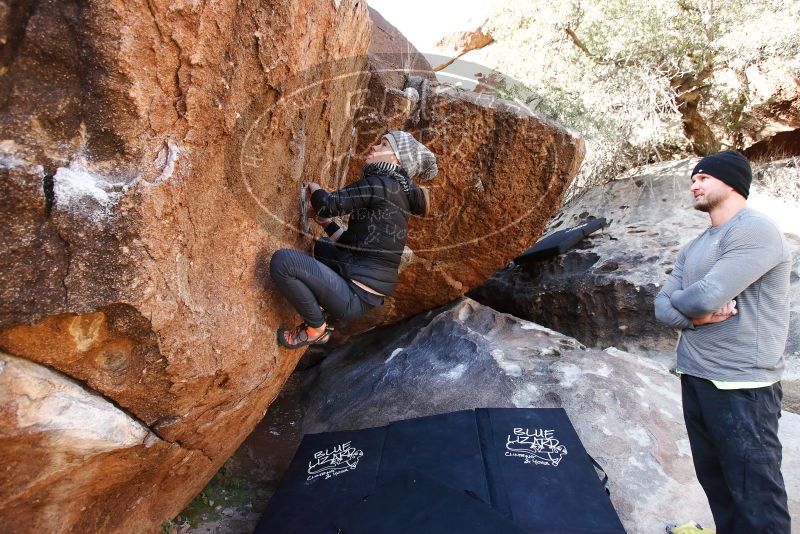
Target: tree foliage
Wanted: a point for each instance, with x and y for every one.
(643, 80)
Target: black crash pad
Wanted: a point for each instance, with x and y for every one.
(410, 502)
(559, 242)
(526, 465)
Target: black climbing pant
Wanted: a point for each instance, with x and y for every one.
(308, 283)
(737, 455)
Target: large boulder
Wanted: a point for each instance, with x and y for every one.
(625, 408)
(135, 310)
(602, 292)
(150, 165)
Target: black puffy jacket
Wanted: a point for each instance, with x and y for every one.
(372, 246)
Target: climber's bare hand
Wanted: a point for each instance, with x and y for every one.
(322, 221)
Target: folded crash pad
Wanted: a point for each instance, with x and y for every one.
(446, 447)
(527, 464)
(559, 242)
(539, 473)
(410, 502)
(328, 471)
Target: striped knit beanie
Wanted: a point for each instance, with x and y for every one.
(414, 157)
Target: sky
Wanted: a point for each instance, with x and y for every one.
(423, 22)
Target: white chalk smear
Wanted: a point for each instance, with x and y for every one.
(79, 190)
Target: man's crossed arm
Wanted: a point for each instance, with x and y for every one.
(748, 255)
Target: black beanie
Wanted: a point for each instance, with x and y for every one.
(730, 167)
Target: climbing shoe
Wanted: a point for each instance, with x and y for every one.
(690, 527)
(302, 335)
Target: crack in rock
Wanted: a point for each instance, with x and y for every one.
(50, 401)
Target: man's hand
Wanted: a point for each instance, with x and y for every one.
(729, 309)
(717, 316)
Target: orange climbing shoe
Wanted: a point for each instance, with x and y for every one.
(303, 335)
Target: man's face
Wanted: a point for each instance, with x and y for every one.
(708, 191)
(381, 152)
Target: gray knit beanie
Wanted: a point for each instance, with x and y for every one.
(415, 158)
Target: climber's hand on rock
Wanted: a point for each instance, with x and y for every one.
(312, 214)
(322, 221)
(312, 186)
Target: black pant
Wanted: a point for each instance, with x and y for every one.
(308, 284)
(737, 455)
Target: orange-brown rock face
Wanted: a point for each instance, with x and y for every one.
(460, 43)
(150, 161)
(137, 321)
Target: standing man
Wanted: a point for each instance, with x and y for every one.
(729, 295)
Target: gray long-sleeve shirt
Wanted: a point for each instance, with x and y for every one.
(746, 259)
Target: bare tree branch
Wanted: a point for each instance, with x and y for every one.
(600, 60)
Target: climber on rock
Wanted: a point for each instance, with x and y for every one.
(354, 269)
